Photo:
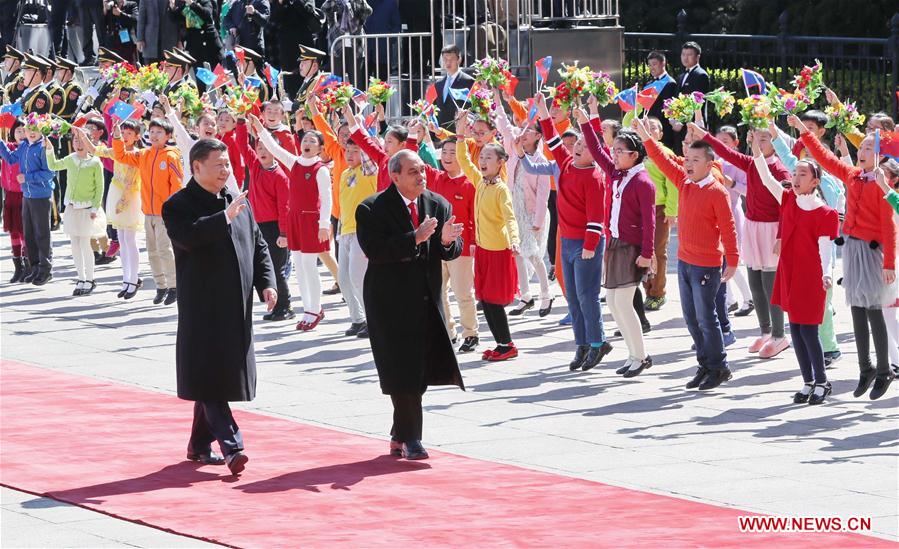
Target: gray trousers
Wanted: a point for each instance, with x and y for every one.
(36, 226)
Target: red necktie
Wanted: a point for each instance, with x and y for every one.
(413, 213)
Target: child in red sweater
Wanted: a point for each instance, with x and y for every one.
(395, 140)
(869, 256)
(580, 208)
(12, 206)
(268, 197)
(707, 235)
(759, 236)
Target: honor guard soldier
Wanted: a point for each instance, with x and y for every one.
(35, 98)
(250, 68)
(299, 85)
(72, 90)
(13, 86)
(102, 86)
(176, 67)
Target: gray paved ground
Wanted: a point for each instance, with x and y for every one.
(744, 445)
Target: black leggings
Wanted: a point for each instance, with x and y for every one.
(497, 322)
(861, 318)
(638, 306)
(809, 352)
(553, 227)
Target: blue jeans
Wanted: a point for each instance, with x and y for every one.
(583, 278)
(721, 305)
(698, 289)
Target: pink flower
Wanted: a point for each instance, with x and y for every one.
(790, 104)
(699, 97)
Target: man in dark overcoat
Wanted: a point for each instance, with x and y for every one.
(406, 231)
(220, 257)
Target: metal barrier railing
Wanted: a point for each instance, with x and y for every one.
(403, 60)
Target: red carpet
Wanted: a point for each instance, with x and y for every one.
(119, 450)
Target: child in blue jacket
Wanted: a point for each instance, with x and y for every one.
(37, 189)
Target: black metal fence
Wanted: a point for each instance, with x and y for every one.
(864, 70)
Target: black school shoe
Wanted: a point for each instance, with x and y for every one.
(700, 376)
(595, 356)
(171, 296)
(865, 378)
(715, 378)
(160, 295)
(579, 355)
(881, 384)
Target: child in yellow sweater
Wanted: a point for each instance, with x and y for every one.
(496, 235)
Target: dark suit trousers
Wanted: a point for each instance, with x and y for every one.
(213, 421)
(407, 417)
(270, 233)
(92, 18)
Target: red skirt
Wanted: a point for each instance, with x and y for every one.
(302, 233)
(12, 212)
(495, 276)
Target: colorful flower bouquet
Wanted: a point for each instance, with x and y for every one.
(577, 82)
(240, 100)
(123, 75)
(844, 117)
(755, 111)
(379, 91)
(424, 110)
(723, 100)
(47, 125)
(150, 78)
(189, 98)
(683, 107)
(784, 102)
(482, 102)
(337, 96)
(493, 72)
(603, 88)
(810, 81)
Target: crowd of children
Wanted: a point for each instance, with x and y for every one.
(589, 206)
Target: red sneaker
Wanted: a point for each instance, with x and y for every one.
(499, 357)
(307, 326)
(488, 354)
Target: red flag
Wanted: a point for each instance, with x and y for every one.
(887, 143)
(7, 120)
(222, 77)
(647, 97)
(510, 87)
(239, 53)
(139, 110)
(431, 93)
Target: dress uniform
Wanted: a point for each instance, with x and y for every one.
(292, 84)
(72, 90)
(13, 86)
(35, 98)
(174, 59)
(253, 62)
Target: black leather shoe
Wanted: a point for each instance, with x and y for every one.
(701, 372)
(29, 278)
(579, 357)
(283, 314)
(333, 290)
(131, 290)
(626, 367)
(546, 310)
(354, 329)
(42, 278)
(801, 398)
(209, 458)
(522, 307)
(396, 448)
(881, 384)
(469, 344)
(644, 365)
(865, 378)
(715, 378)
(595, 356)
(414, 450)
(171, 296)
(160, 295)
(88, 287)
(79, 288)
(815, 398)
(105, 260)
(646, 328)
(237, 462)
(363, 332)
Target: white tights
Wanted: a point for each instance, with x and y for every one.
(621, 302)
(309, 281)
(524, 277)
(83, 255)
(130, 255)
(889, 316)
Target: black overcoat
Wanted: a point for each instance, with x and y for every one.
(402, 293)
(448, 109)
(217, 265)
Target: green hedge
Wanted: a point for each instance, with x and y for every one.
(873, 99)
